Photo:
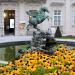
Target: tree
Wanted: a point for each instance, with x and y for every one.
(58, 33)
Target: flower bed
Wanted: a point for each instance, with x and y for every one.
(62, 62)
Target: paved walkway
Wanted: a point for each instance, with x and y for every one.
(3, 62)
(15, 38)
(25, 38)
(67, 40)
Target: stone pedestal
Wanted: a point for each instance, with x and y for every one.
(42, 40)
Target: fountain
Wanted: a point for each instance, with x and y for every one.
(41, 40)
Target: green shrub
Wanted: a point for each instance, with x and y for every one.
(58, 33)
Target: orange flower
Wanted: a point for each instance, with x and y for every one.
(57, 53)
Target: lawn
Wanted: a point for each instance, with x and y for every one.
(67, 37)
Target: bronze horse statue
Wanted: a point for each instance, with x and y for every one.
(36, 17)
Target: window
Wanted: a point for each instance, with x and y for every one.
(12, 23)
(73, 17)
(57, 17)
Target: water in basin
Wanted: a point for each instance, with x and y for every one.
(9, 52)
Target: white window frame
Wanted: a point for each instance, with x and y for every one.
(57, 21)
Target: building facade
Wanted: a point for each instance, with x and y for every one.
(13, 17)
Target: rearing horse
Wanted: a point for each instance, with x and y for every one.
(37, 17)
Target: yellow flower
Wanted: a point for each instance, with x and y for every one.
(72, 73)
(33, 69)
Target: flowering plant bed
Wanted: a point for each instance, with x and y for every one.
(62, 62)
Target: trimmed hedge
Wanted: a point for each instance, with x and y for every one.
(58, 33)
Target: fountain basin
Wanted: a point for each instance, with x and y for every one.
(9, 51)
(9, 44)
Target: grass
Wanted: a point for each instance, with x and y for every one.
(68, 37)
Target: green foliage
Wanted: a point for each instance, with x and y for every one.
(38, 71)
(58, 33)
(12, 68)
(68, 37)
(2, 65)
